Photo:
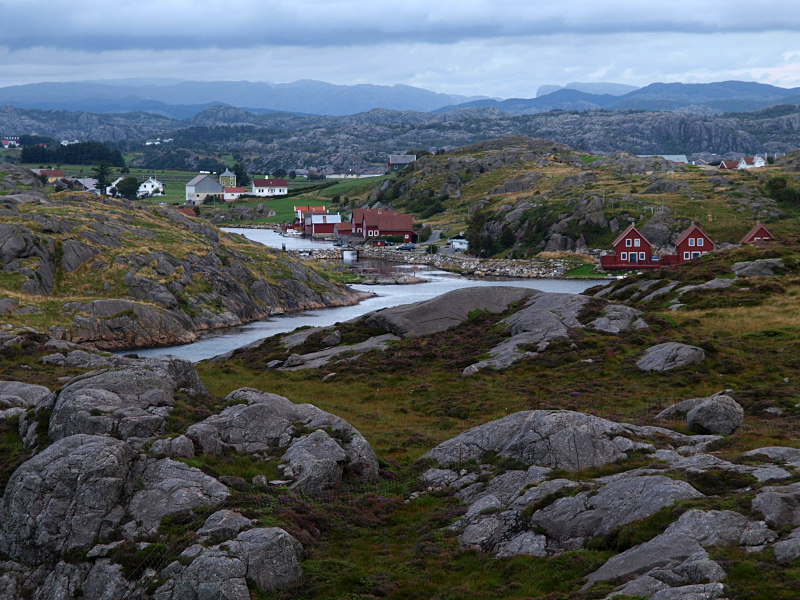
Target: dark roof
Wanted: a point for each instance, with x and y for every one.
(270, 182)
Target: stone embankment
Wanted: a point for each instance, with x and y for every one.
(468, 265)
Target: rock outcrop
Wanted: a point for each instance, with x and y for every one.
(670, 355)
(259, 423)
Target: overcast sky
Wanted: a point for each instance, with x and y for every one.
(498, 48)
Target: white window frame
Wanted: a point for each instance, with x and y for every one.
(700, 241)
(637, 242)
(624, 256)
(685, 256)
(641, 255)
(691, 241)
(628, 243)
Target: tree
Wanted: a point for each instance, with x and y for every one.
(242, 178)
(292, 174)
(280, 173)
(128, 188)
(102, 173)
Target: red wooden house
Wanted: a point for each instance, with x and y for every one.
(730, 165)
(375, 222)
(631, 251)
(693, 243)
(757, 234)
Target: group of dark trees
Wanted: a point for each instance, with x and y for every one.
(72, 154)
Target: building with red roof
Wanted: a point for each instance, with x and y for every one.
(757, 234)
(693, 243)
(270, 187)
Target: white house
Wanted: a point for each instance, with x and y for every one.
(201, 187)
(752, 162)
(270, 187)
(151, 187)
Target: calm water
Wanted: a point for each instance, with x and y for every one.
(437, 283)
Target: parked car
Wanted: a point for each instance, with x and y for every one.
(406, 246)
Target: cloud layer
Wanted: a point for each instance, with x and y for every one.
(501, 48)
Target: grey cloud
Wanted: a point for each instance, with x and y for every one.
(176, 24)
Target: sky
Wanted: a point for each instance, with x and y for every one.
(497, 48)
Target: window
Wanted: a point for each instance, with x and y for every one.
(641, 255)
(628, 243)
(685, 256)
(695, 255)
(699, 241)
(637, 242)
(691, 241)
(624, 256)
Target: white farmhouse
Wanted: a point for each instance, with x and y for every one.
(270, 187)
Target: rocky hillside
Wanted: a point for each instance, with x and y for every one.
(123, 275)
(494, 442)
(518, 196)
(365, 140)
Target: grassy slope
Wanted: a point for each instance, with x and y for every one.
(717, 208)
(84, 284)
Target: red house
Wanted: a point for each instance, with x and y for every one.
(379, 222)
(693, 243)
(631, 251)
(729, 164)
(757, 234)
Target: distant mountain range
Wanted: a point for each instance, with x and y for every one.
(701, 98)
(183, 99)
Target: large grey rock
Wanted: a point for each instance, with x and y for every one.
(260, 421)
(702, 591)
(445, 311)
(789, 549)
(547, 317)
(224, 525)
(314, 360)
(682, 407)
(177, 447)
(65, 498)
(556, 439)
(779, 505)
(763, 267)
(129, 403)
(17, 393)
(315, 462)
(718, 414)
(790, 456)
(269, 557)
(570, 521)
(687, 537)
(169, 487)
(74, 254)
(670, 355)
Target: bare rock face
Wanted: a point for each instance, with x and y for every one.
(262, 422)
(779, 506)
(445, 311)
(569, 521)
(559, 439)
(224, 525)
(763, 267)
(718, 414)
(547, 317)
(267, 556)
(65, 498)
(17, 393)
(670, 355)
(315, 462)
(686, 539)
(129, 403)
(170, 487)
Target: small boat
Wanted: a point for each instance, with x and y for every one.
(292, 233)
